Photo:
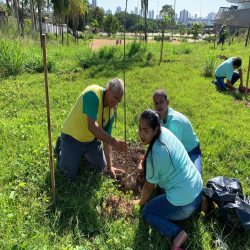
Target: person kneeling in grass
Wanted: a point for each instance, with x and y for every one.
(226, 70)
(88, 124)
(180, 126)
(167, 164)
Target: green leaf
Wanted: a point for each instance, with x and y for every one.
(12, 194)
(21, 184)
(14, 247)
(10, 215)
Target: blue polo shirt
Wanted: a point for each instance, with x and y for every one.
(226, 69)
(182, 128)
(169, 166)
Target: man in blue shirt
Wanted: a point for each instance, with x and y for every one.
(226, 70)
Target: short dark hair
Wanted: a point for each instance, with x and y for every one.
(237, 61)
(161, 92)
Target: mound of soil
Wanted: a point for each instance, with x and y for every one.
(247, 103)
(134, 156)
(116, 208)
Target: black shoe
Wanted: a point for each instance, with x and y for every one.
(58, 145)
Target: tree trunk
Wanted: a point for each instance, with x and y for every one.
(247, 35)
(162, 40)
(62, 33)
(39, 5)
(56, 28)
(34, 15)
(17, 15)
(67, 27)
(145, 25)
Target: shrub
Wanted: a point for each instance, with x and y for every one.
(11, 57)
(184, 48)
(33, 61)
(159, 37)
(209, 39)
(210, 62)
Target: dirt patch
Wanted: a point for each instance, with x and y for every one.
(116, 208)
(97, 43)
(134, 156)
(247, 103)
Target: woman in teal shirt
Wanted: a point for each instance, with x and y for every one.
(167, 164)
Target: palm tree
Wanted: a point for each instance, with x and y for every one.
(144, 6)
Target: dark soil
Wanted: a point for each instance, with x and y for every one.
(222, 57)
(115, 208)
(134, 156)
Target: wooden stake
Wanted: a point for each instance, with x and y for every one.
(125, 124)
(48, 118)
(247, 76)
(247, 35)
(214, 40)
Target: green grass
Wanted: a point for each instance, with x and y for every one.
(28, 219)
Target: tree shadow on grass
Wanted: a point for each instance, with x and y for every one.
(75, 211)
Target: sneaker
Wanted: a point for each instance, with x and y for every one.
(58, 145)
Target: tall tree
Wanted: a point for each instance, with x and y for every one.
(110, 24)
(144, 7)
(167, 14)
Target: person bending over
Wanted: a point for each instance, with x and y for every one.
(167, 164)
(180, 126)
(88, 124)
(226, 70)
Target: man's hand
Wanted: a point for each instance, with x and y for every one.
(242, 89)
(119, 145)
(116, 170)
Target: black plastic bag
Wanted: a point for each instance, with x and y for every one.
(234, 207)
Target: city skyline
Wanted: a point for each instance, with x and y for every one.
(199, 7)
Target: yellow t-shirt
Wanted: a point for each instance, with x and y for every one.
(90, 102)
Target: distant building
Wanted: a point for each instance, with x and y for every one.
(136, 10)
(118, 9)
(176, 16)
(189, 15)
(151, 14)
(131, 12)
(195, 16)
(108, 12)
(156, 17)
(211, 16)
(94, 4)
(184, 16)
(141, 13)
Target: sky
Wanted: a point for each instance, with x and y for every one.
(193, 6)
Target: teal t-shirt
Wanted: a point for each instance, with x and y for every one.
(182, 128)
(181, 180)
(226, 69)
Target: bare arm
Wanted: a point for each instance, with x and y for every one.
(100, 134)
(230, 85)
(146, 192)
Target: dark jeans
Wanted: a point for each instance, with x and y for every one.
(222, 85)
(195, 157)
(72, 150)
(160, 213)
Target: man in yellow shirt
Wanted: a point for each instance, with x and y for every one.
(89, 122)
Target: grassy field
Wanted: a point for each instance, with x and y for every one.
(28, 218)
